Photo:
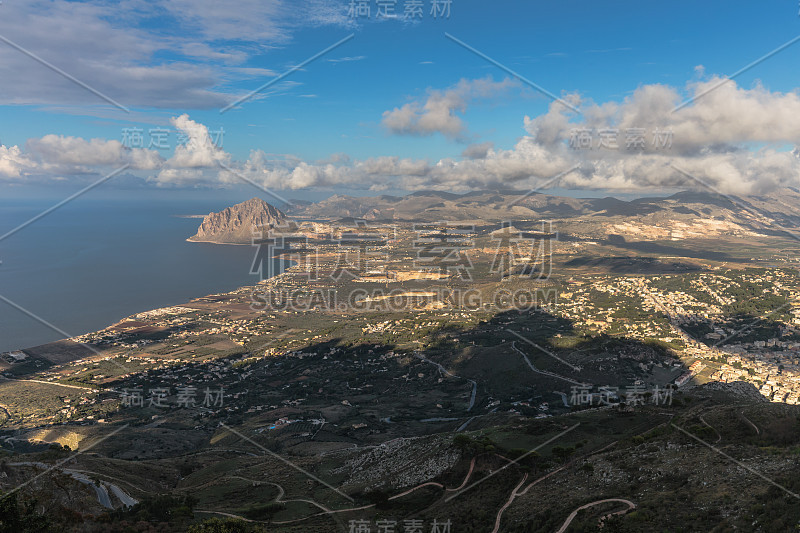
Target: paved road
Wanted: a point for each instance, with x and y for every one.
(463, 426)
(100, 489)
(125, 498)
(543, 372)
(574, 513)
(409, 491)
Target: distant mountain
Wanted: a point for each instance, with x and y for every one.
(235, 225)
(427, 206)
(681, 215)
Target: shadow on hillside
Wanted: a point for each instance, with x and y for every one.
(491, 354)
(632, 265)
(619, 241)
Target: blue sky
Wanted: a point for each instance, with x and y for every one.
(164, 60)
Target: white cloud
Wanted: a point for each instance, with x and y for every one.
(732, 138)
(183, 177)
(252, 20)
(117, 49)
(478, 151)
(61, 150)
(14, 164)
(199, 150)
(53, 157)
(439, 112)
(713, 138)
(204, 51)
(198, 161)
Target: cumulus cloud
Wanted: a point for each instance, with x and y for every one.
(730, 139)
(526, 161)
(56, 156)
(14, 164)
(191, 161)
(713, 138)
(439, 112)
(61, 150)
(199, 150)
(478, 151)
(723, 114)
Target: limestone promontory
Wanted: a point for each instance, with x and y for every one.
(236, 224)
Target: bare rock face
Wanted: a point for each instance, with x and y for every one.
(235, 225)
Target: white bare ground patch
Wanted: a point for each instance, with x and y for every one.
(399, 463)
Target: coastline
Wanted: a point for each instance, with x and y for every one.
(220, 242)
(159, 272)
(76, 338)
(127, 315)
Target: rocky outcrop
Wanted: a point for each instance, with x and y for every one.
(235, 225)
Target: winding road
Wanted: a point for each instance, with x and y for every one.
(101, 489)
(719, 435)
(517, 492)
(543, 372)
(758, 431)
(574, 513)
(325, 510)
(514, 494)
(466, 479)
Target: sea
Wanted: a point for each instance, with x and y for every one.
(93, 262)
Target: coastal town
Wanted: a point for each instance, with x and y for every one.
(690, 316)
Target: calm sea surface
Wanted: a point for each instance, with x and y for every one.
(92, 263)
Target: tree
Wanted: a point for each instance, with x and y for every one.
(462, 442)
(20, 517)
(562, 452)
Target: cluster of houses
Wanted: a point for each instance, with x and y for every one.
(772, 365)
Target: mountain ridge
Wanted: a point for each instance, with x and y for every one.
(781, 205)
